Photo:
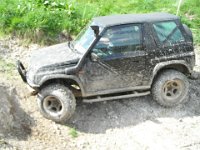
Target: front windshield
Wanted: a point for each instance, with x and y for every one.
(84, 39)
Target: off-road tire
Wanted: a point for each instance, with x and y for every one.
(170, 88)
(60, 98)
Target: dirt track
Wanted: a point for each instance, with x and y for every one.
(136, 123)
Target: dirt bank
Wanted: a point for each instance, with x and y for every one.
(14, 122)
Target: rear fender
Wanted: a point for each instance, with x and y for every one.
(179, 65)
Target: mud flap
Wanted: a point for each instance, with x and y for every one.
(195, 75)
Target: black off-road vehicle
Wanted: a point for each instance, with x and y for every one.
(114, 57)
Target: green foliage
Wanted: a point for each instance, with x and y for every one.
(190, 15)
(40, 20)
(73, 132)
(2, 141)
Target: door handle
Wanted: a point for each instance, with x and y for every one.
(137, 61)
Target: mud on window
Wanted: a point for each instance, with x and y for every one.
(168, 32)
(119, 40)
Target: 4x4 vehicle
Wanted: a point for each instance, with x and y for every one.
(114, 57)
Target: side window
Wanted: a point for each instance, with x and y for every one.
(119, 40)
(168, 32)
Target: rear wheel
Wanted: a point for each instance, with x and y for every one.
(170, 88)
(56, 102)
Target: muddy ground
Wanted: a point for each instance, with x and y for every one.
(135, 123)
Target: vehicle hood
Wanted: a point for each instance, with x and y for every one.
(53, 56)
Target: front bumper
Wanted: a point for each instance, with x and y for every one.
(22, 71)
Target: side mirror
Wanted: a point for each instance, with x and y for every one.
(94, 57)
(96, 30)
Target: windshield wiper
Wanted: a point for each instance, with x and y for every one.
(71, 46)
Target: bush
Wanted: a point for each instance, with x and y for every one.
(40, 20)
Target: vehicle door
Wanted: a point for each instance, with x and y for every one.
(120, 62)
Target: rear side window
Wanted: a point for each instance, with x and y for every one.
(168, 32)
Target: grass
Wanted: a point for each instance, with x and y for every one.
(73, 133)
(44, 20)
(2, 141)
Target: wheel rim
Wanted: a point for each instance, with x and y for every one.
(52, 105)
(173, 90)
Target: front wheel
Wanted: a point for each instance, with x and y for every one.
(56, 102)
(170, 88)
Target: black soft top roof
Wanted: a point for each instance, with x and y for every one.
(133, 18)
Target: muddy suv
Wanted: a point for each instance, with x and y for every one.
(114, 57)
